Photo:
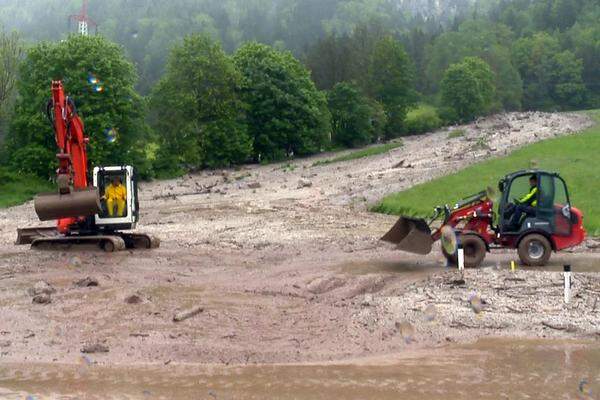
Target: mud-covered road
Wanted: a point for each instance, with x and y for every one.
(282, 264)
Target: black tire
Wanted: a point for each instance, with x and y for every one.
(534, 250)
(475, 250)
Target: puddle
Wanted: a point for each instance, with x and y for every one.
(412, 266)
(488, 369)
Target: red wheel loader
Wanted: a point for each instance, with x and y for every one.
(79, 206)
(551, 225)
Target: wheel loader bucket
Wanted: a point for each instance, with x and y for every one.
(410, 234)
(79, 203)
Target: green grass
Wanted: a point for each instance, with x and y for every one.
(575, 157)
(455, 133)
(17, 189)
(367, 152)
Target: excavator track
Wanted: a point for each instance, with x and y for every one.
(47, 237)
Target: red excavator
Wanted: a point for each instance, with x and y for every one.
(552, 225)
(78, 206)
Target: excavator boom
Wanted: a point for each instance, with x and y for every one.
(75, 199)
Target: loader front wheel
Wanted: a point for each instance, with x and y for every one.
(534, 250)
(474, 248)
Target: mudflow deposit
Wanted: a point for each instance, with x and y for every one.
(281, 263)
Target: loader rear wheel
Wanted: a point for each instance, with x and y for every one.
(474, 248)
(534, 250)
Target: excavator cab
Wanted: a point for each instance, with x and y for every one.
(126, 216)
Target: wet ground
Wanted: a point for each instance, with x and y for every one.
(297, 293)
(488, 369)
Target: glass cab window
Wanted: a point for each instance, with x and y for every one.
(113, 193)
(519, 188)
(554, 204)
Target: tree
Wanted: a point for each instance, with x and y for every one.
(478, 38)
(391, 77)
(584, 39)
(287, 115)
(11, 52)
(551, 78)
(99, 78)
(197, 111)
(355, 118)
(467, 89)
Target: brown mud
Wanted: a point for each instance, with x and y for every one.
(285, 264)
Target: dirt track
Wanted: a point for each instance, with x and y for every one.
(285, 261)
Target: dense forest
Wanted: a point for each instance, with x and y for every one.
(182, 85)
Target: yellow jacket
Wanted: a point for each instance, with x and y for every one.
(530, 199)
(115, 192)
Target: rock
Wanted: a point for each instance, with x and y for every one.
(133, 299)
(28, 334)
(41, 287)
(399, 165)
(430, 312)
(304, 183)
(87, 282)
(42, 299)
(476, 303)
(592, 244)
(254, 185)
(325, 284)
(5, 343)
(183, 315)
(94, 348)
(407, 331)
(75, 262)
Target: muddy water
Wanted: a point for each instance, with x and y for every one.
(412, 266)
(489, 369)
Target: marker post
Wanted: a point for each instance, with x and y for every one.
(461, 257)
(567, 275)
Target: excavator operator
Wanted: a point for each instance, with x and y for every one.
(115, 196)
(526, 205)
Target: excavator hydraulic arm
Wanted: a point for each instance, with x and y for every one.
(75, 200)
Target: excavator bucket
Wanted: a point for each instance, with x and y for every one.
(79, 203)
(410, 234)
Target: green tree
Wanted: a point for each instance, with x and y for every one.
(287, 115)
(391, 79)
(467, 89)
(355, 118)
(551, 78)
(196, 109)
(584, 40)
(488, 41)
(11, 52)
(100, 79)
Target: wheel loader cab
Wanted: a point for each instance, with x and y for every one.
(123, 216)
(552, 212)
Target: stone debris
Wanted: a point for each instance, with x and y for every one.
(133, 299)
(304, 183)
(94, 348)
(42, 299)
(183, 315)
(254, 185)
(41, 287)
(87, 282)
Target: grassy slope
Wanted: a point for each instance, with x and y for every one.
(575, 157)
(20, 189)
(367, 152)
